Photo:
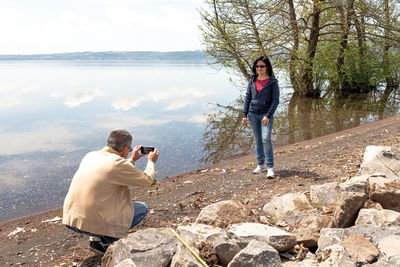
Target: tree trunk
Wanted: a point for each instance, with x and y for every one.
(306, 75)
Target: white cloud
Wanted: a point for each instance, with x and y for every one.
(8, 102)
(118, 120)
(127, 103)
(199, 118)
(179, 98)
(44, 137)
(80, 98)
(179, 103)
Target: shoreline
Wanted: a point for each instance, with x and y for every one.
(179, 199)
(277, 150)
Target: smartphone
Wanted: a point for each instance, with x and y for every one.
(146, 149)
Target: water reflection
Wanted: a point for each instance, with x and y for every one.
(297, 119)
(53, 113)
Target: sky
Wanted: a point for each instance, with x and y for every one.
(55, 26)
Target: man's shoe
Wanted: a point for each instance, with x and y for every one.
(98, 247)
(270, 173)
(259, 169)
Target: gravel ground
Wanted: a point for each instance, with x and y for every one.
(43, 241)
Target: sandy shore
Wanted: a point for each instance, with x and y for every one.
(44, 241)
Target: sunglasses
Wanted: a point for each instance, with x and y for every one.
(261, 66)
(130, 149)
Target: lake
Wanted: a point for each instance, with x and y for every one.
(52, 113)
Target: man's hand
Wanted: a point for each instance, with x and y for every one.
(244, 121)
(153, 156)
(265, 121)
(135, 153)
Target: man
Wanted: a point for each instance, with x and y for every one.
(98, 202)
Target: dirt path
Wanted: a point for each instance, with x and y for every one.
(179, 199)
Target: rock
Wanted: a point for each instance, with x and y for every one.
(379, 218)
(184, 258)
(380, 159)
(215, 214)
(386, 262)
(390, 246)
(148, 247)
(243, 233)
(195, 233)
(353, 186)
(303, 263)
(360, 250)
(385, 191)
(307, 232)
(256, 254)
(331, 236)
(226, 249)
(347, 208)
(336, 255)
(363, 178)
(325, 193)
(126, 263)
(291, 208)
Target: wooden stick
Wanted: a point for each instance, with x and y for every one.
(191, 250)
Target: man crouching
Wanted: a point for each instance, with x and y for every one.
(98, 202)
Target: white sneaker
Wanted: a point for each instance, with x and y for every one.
(259, 169)
(270, 173)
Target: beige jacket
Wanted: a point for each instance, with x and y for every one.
(98, 200)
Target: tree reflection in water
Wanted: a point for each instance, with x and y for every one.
(298, 119)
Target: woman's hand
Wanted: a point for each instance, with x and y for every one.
(244, 121)
(265, 121)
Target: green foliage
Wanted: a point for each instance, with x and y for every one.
(322, 45)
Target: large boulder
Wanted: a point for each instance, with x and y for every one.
(184, 258)
(390, 246)
(361, 250)
(226, 249)
(126, 263)
(244, 233)
(379, 218)
(307, 231)
(325, 194)
(332, 236)
(381, 159)
(216, 214)
(385, 262)
(291, 208)
(195, 233)
(149, 247)
(256, 254)
(303, 220)
(385, 191)
(347, 208)
(336, 255)
(303, 263)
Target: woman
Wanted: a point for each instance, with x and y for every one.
(262, 98)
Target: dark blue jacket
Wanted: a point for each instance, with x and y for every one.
(264, 102)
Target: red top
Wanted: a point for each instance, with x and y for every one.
(261, 84)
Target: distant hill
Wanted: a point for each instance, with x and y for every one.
(181, 56)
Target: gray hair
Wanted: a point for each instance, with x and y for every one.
(119, 138)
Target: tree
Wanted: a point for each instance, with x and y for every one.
(305, 37)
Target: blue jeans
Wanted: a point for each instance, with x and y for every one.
(262, 136)
(140, 212)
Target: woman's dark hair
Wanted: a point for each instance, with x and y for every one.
(264, 59)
